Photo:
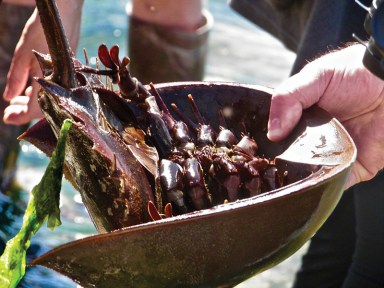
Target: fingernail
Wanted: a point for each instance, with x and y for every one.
(274, 129)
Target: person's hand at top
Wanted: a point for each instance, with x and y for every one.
(23, 105)
(339, 83)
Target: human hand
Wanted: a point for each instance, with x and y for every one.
(339, 83)
(23, 105)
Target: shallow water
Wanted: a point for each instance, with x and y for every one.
(238, 52)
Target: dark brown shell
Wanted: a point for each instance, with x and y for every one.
(226, 244)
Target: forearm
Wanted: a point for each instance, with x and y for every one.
(183, 14)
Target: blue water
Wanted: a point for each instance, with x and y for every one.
(228, 60)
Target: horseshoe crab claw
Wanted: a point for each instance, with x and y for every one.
(224, 245)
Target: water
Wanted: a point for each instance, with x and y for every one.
(239, 52)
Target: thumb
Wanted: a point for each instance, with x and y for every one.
(293, 96)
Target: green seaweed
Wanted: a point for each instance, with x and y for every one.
(43, 206)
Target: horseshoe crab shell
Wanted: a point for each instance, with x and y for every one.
(224, 245)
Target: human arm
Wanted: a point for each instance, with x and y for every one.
(339, 83)
(24, 108)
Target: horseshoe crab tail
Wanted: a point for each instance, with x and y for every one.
(63, 66)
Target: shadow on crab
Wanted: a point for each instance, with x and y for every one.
(228, 243)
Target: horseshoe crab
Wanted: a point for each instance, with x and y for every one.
(219, 246)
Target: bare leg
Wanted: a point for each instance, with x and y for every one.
(168, 40)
